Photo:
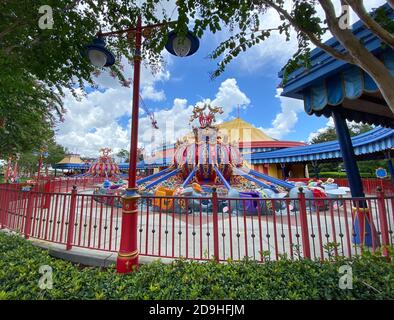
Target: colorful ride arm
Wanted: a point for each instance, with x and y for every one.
(276, 181)
(153, 176)
(225, 182)
(191, 175)
(245, 175)
(163, 178)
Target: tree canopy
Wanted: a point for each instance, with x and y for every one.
(329, 134)
(123, 154)
(53, 55)
(28, 161)
(38, 63)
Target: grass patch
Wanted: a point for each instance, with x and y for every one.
(373, 278)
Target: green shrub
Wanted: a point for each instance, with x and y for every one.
(373, 278)
(335, 174)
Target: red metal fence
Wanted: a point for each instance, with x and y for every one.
(202, 228)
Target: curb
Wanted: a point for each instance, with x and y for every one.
(86, 257)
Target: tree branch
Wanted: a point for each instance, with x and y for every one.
(345, 36)
(335, 53)
(370, 23)
(11, 28)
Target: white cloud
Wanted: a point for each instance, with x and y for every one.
(229, 96)
(287, 118)
(312, 135)
(274, 52)
(174, 123)
(91, 122)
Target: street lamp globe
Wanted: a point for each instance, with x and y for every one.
(97, 58)
(98, 54)
(182, 46)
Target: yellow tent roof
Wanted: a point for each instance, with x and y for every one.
(71, 158)
(240, 130)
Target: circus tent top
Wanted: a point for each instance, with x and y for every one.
(71, 161)
(240, 130)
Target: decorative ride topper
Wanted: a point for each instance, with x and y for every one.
(206, 120)
(105, 152)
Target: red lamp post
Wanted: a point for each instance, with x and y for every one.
(15, 174)
(43, 154)
(39, 167)
(7, 173)
(128, 254)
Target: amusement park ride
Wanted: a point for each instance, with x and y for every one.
(205, 160)
(105, 166)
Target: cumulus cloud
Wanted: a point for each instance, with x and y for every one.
(93, 122)
(287, 118)
(174, 122)
(275, 51)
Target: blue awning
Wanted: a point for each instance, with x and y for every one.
(376, 140)
(350, 84)
(330, 84)
(147, 165)
(75, 166)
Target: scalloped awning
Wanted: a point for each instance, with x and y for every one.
(354, 90)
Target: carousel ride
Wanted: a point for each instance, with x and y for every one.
(205, 161)
(107, 168)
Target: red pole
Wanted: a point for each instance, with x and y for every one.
(304, 225)
(15, 170)
(7, 173)
(383, 223)
(128, 252)
(39, 168)
(215, 225)
(71, 220)
(29, 212)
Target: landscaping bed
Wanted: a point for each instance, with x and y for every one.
(20, 261)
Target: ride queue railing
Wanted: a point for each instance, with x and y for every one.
(204, 228)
